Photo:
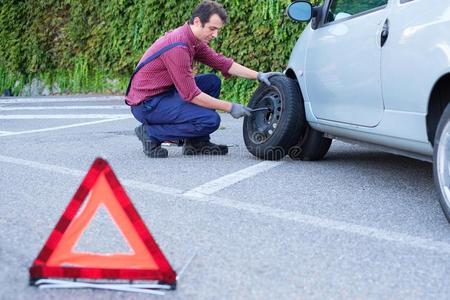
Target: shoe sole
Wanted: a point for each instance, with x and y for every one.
(156, 156)
(164, 154)
(204, 152)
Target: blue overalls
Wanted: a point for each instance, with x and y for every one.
(168, 117)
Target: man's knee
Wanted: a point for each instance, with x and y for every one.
(215, 81)
(216, 84)
(209, 84)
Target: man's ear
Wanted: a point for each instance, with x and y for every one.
(197, 22)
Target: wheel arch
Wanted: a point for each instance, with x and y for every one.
(439, 99)
(290, 73)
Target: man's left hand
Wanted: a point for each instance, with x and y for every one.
(264, 77)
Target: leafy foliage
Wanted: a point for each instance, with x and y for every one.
(94, 45)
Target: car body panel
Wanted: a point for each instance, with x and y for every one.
(343, 81)
(402, 138)
(416, 53)
(414, 57)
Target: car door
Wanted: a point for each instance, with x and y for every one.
(342, 69)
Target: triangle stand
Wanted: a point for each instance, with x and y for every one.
(145, 288)
(123, 287)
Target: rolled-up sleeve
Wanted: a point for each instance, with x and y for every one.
(179, 65)
(217, 61)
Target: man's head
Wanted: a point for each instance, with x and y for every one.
(207, 19)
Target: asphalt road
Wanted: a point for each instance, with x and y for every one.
(360, 224)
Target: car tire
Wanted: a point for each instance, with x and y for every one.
(270, 134)
(441, 161)
(311, 146)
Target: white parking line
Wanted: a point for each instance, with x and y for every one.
(64, 126)
(329, 224)
(4, 132)
(77, 173)
(84, 116)
(86, 107)
(261, 210)
(151, 187)
(40, 166)
(58, 99)
(216, 185)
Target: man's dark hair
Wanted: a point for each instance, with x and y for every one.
(206, 9)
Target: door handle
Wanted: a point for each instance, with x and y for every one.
(384, 33)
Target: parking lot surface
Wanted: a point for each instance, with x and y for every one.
(361, 224)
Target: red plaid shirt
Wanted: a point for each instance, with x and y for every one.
(174, 67)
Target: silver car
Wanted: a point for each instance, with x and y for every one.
(371, 71)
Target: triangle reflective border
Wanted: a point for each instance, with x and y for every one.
(101, 188)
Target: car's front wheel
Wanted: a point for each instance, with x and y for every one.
(441, 161)
(270, 132)
(281, 129)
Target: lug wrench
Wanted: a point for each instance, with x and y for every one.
(260, 109)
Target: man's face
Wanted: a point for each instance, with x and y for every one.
(210, 30)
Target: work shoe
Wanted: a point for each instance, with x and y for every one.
(140, 132)
(203, 148)
(151, 148)
(154, 150)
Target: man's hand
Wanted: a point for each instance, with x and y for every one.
(239, 111)
(264, 77)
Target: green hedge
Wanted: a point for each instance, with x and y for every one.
(92, 46)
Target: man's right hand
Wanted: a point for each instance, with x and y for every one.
(265, 77)
(239, 111)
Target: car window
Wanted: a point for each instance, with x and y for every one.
(340, 9)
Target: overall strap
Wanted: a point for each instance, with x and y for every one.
(151, 58)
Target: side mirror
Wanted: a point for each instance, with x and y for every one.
(300, 11)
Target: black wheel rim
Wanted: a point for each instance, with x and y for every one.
(261, 125)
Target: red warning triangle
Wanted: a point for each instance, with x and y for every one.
(101, 189)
